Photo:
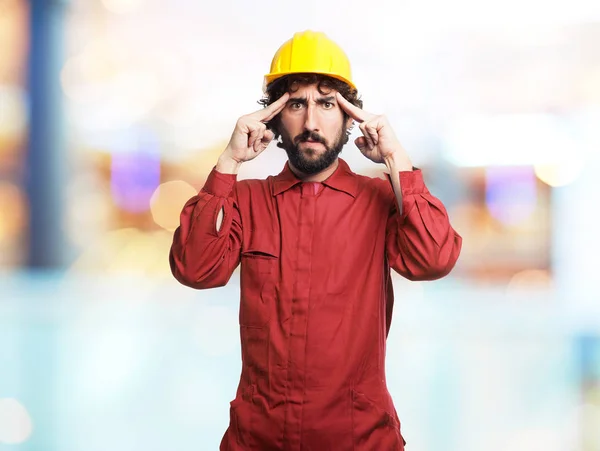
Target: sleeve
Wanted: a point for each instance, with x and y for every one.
(201, 256)
(420, 242)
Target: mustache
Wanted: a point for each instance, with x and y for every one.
(306, 135)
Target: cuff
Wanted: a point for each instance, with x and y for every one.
(411, 182)
(220, 185)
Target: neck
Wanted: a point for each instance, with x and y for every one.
(319, 176)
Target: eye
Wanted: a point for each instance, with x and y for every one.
(295, 105)
(328, 105)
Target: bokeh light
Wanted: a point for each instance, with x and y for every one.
(13, 38)
(15, 423)
(557, 175)
(13, 111)
(13, 213)
(511, 195)
(529, 280)
(168, 200)
(135, 171)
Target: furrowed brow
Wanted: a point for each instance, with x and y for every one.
(328, 99)
(301, 100)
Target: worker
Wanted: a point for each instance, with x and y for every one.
(316, 244)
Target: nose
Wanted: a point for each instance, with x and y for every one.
(310, 118)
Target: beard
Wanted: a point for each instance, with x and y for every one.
(303, 160)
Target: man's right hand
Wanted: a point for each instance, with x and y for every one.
(250, 137)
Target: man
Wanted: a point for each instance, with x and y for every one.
(316, 244)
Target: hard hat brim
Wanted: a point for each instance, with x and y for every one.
(270, 78)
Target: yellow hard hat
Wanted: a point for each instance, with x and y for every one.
(310, 52)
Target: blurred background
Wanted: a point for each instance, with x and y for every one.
(112, 114)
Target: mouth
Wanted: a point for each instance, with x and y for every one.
(310, 141)
(312, 147)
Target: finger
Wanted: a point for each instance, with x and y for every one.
(353, 111)
(264, 142)
(252, 136)
(258, 142)
(372, 132)
(367, 136)
(361, 143)
(268, 137)
(268, 113)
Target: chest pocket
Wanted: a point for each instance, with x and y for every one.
(259, 272)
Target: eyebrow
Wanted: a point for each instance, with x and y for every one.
(320, 100)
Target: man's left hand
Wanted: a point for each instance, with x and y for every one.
(379, 142)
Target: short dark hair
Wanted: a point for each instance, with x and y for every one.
(290, 83)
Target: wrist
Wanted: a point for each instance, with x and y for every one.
(398, 162)
(227, 165)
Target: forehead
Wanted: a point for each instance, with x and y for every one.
(310, 91)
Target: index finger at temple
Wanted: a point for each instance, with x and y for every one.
(355, 113)
(272, 110)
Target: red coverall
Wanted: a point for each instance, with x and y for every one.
(316, 298)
